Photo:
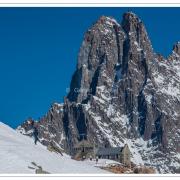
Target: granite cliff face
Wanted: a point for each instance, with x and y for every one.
(121, 92)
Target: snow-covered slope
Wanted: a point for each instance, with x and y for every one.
(18, 154)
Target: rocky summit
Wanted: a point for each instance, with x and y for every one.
(122, 92)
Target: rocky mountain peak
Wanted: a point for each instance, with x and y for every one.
(101, 49)
(130, 21)
(121, 92)
(99, 34)
(176, 48)
(136, 33)
(175, 55)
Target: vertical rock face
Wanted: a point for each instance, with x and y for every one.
(101, 50)
(122, 92)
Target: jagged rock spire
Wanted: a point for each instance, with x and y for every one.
(175, 55)
(137, 34)
(176, 48)
(101, 49)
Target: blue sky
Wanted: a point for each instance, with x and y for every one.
(39, 48)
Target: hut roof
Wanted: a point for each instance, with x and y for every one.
(83, 143)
